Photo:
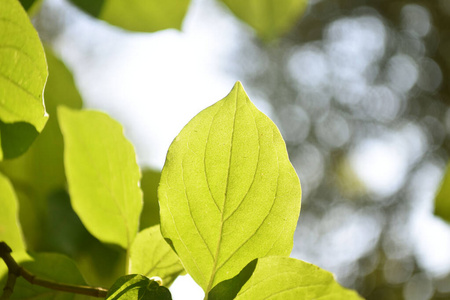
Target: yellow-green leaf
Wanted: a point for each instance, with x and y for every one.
(442, 201)
(269, 18)
(40, 171)
(228, 193)
(138, 15)
(149, 185)
(23, 73)
(103, 175)
(151, 256)
(9, 228)
(282, 278)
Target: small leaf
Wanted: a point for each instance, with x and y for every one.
(149, 185)
(23, 73)
(151, 256)
(103, 175)
(442, 201)
(269, 18)
(278, 277)
(138, 15)
(50, 266)
(9, 226)
(133, 287)
(228, 193)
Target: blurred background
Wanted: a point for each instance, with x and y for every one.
(359, 89)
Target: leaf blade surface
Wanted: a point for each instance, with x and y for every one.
(151, 256)
(277, 277)
(103, 175)
(228, 193)
(23, 74)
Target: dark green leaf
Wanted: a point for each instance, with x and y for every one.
(149, 185)
(442, 201)
(137, 287)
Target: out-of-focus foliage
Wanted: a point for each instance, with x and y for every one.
(22, 111)
(138, 15)
(269, 18)
(442, 201)
(361, 94)
(131, 287)
(149, 185)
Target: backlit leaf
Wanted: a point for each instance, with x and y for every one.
(134, 287)
(228, 193)
(9, 228)
(269, 18)
(283, 278)
(151, 256)
(138, 15)
(103, 175)
(442, 201)
(23, 73)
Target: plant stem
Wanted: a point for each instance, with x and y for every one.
(14, 271)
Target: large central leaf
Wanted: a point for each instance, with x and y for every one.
(228, 193)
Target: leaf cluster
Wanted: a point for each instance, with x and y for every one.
(229, 197)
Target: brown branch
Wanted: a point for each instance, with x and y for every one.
(14, 271)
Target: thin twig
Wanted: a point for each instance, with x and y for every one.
(16, 271)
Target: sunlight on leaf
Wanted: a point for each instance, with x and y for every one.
(138, 15)
(132, 287)
(151, 256)
(228, 193)
(103, 175)
(269, 18)
(23, 73)
(9, 226)
(278, 277)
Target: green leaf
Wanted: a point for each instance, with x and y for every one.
(9, 228)
(138, 15)
(23, 73)
(133, 287)
(151, 256)
(442, 200)
(269, 18)
(103, 175)
(40, 171)
(49, 266)
(282, 278)
(228, 193)
(149, 185)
